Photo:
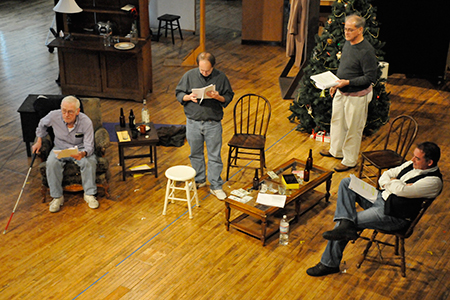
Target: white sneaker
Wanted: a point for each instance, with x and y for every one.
(200, 184)
(56, 204)
(91, 201)
(220, 194)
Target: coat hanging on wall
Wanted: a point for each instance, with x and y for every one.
(297, 29)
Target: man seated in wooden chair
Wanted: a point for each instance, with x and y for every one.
(412, 182)
(72, 129)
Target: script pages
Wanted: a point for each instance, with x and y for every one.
(201, 92)
(325, 80)
(363, 188)
(66, 152)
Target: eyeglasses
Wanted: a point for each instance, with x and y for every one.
(349, 29)
(69, 112)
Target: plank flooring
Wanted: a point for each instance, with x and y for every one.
(126, 249)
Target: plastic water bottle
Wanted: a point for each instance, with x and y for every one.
(145, 113)
(284, 231)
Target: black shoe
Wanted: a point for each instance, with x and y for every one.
(345, 231)
(321, 270)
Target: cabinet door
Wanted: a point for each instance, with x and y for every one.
(79, 71)
(121, 75)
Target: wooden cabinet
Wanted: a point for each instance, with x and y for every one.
(88, 68)
(262, 20)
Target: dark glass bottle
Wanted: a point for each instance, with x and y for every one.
(131, 119)
(256, 181)
(306, 175)
(122, 118)
(309, 161)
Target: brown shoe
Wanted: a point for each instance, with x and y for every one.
(326, 153)
(342, 168)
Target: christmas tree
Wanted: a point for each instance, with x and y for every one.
(312, 106)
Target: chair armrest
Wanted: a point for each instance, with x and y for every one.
(46, 147)
(101, 138)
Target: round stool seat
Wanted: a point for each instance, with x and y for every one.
(180, 173)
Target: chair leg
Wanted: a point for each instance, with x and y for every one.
(179, 29)
(44, 190)
(230, 152)
(402, 253)
(166, 199)
(171, 31)
(159, 30)
(361, 169)
(188, 196)
(262, 161)
(369, 244)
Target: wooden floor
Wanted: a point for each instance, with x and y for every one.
(126, 249)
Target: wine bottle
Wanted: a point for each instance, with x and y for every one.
(122, 118)
(306, 175)
(131, 119)
(309, 161)
(256, 181)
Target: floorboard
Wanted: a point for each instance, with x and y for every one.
(126, 249)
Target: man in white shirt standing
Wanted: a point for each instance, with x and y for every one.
(414, 180)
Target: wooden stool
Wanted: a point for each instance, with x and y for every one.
(184, 174)
(169, 19)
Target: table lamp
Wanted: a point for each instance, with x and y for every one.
(67, 7)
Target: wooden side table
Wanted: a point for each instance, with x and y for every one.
(149, 139)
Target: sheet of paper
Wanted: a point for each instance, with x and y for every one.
(66, 152)
(363, 188)
(271, 200)
(325, 80)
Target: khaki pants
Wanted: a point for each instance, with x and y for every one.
(349, 116)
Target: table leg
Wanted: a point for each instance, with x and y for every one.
(27, 144)
(122, 162)
(263, 231)
(227, 216)
(155, 161)
(151, 154)
(327, 194)
(297, 210)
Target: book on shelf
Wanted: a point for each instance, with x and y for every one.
(201, 92)
(325, 80)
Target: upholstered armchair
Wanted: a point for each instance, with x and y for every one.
(71, 175)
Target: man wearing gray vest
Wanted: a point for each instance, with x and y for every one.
(413, 181)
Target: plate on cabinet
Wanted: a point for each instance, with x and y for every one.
(124, 46)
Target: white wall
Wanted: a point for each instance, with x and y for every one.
(183, 8)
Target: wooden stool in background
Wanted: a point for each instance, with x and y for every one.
(169, 19)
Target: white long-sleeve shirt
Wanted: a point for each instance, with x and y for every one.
(428, 187)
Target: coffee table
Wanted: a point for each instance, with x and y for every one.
(149, 139)
(262, 221)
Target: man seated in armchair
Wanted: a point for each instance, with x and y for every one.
(413, 181)
(71, 128)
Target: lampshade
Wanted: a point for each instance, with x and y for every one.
(67, 7)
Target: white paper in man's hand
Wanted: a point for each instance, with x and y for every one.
(363, 188)
(66, 152)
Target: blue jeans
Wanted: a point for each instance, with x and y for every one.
(210, 132)
(55, 169)
(372, 217)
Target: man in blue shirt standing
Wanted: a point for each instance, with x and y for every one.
(72, 128)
